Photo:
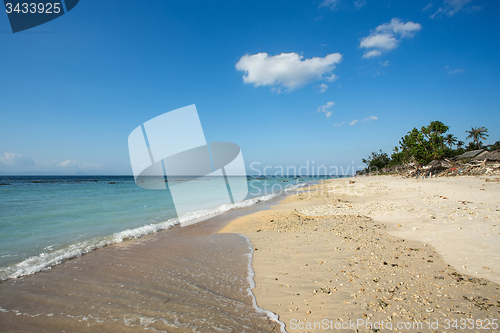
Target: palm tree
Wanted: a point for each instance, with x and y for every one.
(460, 144)
(477, 133)
(450, 140)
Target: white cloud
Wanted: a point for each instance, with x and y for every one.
(452, 7)
(286, 70)
(326, 109)
(385, 63)
(68, 163)
(370, 118)
(332, 78)
(407, 29)
(340, 124)
(359, 4)
(326, 106)
(322, 87)
(352, 123)
(371, 54)
(13, 159)
(387, 37)
(379, 41)
(329, 3)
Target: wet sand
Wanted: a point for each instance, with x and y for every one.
(186, 279)
(380, 251)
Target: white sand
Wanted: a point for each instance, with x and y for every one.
(317, 257)
(460, 217)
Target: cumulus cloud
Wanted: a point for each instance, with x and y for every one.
(387, 37)
(370, 118)
(452, 7)
(326, 109)
(352, 123)
(329, 3)
(286, 70)
(385, 41)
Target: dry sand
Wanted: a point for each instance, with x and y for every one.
(382, 248)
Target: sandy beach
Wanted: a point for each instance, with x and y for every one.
(368, 252)
(363, 254)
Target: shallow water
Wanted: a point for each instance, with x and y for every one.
(45, 220)
(182, 280)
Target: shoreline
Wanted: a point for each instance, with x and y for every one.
(328, 252)
(46, 260)
(184, 279)
(361, 248)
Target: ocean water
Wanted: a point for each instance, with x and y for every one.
(190, 279)
(45, 220)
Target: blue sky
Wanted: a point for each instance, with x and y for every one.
(73, 89)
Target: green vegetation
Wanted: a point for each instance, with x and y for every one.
(425, 145)
(477, 133)
(450, 140)
(431, 142)
(494, 146)
(377, 161)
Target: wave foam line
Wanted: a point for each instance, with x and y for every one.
(223, 208)
(46, 260)
(251, 282)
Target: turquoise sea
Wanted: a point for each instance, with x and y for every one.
(45, 220)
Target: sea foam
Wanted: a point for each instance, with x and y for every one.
(46, 260)
(251, 283)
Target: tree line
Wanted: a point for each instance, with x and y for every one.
(431, 142)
